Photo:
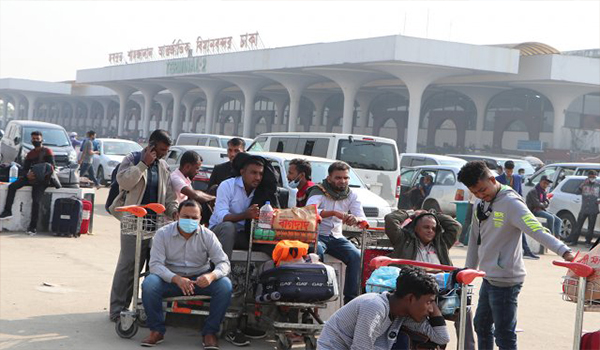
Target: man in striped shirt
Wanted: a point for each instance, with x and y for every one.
(373, 321)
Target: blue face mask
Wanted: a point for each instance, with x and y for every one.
(294, 184)
(188, 225)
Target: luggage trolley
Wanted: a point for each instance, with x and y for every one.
(464, 277)
(373, 243)
(136, 221)
(307, 312)
(583, 293)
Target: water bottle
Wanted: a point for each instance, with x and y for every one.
(13, 173)
(265, 217)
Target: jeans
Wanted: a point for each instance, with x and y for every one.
(87, 170)
(154, 289)
(496, 316)
(37, 192)
(344, 250)
(574, 237)
(554, 222)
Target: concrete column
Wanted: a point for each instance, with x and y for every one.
(105, 105)
(211, 88)
(480, 97)
(17, 108)
(250, 86)
(148, 93)
(31, 100)
(319, 100)
(189, 102)
(4, 111)
(74, 116)
(364, 100)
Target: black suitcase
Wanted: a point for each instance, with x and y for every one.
(304, 283)
(4, 172)
(67, 216)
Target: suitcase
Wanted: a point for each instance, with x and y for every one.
(86, 215)
(304, 283)
(66, 220)
(590, 341)
(4, 172)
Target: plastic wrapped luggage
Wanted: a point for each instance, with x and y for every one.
(67, 216)
(304, 283)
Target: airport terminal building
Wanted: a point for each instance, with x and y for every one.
(429, 95)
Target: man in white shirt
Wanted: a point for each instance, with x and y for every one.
(181, 179)
(338, 205)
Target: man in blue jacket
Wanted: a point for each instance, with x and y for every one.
(513, 180)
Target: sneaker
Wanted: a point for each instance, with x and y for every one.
(31, 231)
(237, 338)
(531, 256)
(254, 333)
(6, 215)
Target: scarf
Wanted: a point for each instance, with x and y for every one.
(325, 189)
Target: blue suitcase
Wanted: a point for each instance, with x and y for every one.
(303, 283)
(67, 216)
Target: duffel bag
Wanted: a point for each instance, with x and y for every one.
(304, 283)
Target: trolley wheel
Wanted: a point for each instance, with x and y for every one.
(126, 333)
(142, 318)
(283, 343)
(311, 342)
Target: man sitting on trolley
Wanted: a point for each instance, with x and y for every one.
(180, 261)
(338, 205)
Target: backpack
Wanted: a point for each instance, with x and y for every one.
(114, 185)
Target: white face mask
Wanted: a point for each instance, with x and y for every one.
(295, 183)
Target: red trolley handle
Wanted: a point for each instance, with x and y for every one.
(467, 276)
(384, 261)
(579, 269)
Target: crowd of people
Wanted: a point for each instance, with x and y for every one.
(189, 258)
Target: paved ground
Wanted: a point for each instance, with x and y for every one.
(72, 314)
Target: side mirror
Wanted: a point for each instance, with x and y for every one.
(17, 140)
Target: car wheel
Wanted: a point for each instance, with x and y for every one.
(432, 204)
(568, 224)
(100, 176)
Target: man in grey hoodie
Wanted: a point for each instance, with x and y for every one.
(495, 247)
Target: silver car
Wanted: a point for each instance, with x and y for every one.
(112, 152)
(566, 203)
(557, 172)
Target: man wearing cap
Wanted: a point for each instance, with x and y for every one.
(590, 193)
(537, 201)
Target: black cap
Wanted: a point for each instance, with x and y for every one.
(592, 172)
(545, 178)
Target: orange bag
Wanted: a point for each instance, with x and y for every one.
(288, 250)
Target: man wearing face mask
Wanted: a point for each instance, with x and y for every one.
(143, 178)
(180, 265)
(39, 154)
(338, 205)
(298, 176)
(181, 179)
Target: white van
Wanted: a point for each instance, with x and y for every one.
(375, 159)
(209, 140)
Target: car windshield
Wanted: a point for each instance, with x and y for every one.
(319, 173)
(223, 142)
(452, 162)
(370, 155)
(52, 137)
(112, 148)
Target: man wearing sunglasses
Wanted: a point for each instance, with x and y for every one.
(495, 247)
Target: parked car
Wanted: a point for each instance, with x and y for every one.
(445, 190)
(112, 152)
(209, 140)
(16, 142)
(418, 159)
(494, 162)
(557, 173)
(375, 207)
(375, 159)
(566, 203)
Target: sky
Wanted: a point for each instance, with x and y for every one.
(50, 40)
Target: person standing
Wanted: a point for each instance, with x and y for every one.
(495, 248)
(508, 177)
(86, 158)
(299, 177)
(590, 199)
(224, 171)
(334, 200)
(39, 154)
(143, 178)
(537, 201)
